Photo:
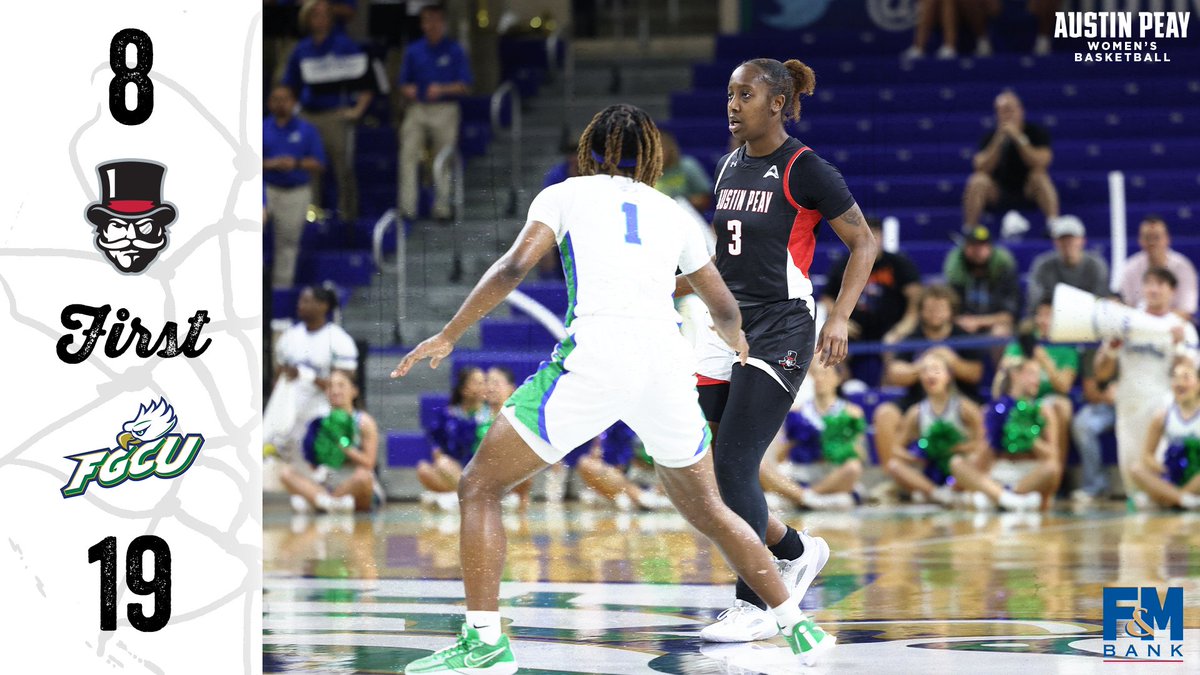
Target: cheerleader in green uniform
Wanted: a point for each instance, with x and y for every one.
(1022, 468)
(828, 430)
(1175, 481)
(937, 429)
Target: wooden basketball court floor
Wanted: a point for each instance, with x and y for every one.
(907, 590)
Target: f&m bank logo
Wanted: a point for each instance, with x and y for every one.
(1141, 624)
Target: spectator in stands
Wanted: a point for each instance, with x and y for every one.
(683, 176)
(935, 429)
(985, 278)
(936, 309)
(887, 307)
(1018, 469)
(1011, 168)
(1155, 240)
(567, 168)
(826, 433)
(932, 13)
(1067, 264)
(454, 436)
(292, 154)
(1145, 371)
(305, 355)
(1175, 480)
(1094, 418)
(1059, 363)
(1043, 11)
(434, 75)
(340, 452)
(331, 72)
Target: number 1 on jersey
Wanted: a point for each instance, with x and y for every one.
(735, 246)
(631, 224)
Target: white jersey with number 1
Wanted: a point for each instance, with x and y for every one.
(624, 357)
(620, 242)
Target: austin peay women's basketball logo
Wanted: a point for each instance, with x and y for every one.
(131, 219)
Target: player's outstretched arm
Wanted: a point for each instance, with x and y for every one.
(535, 241)
(851, 228)
(727, 318)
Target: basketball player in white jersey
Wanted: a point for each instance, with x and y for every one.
(624, 359)
(1144, 371)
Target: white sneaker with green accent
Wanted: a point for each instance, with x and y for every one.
(799, 574)
(809, 641)
(469, 656)
(741, 623)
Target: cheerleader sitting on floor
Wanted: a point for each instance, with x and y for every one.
(1175, 482)
(942, 426)
(1021, 456)
(827, 429)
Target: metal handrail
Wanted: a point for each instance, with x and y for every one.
(385, 223)
(497, 107)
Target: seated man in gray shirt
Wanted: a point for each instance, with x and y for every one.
(1068, 263)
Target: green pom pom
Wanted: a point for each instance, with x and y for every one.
(939, 442)
(839, 436)
(1192, 446)
(1023, 426)
(336, 433)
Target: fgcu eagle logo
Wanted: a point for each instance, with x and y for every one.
(145, 447)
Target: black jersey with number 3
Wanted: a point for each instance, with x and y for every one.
(767, 213)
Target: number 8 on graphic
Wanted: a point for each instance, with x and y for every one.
(138, 75)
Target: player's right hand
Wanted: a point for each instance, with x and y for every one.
(435, 349)
(741, 347)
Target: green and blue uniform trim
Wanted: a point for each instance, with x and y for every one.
(529, 401)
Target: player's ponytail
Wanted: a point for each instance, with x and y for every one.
(790, 79)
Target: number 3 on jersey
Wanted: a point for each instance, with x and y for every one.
(735, 246)
(631, 224)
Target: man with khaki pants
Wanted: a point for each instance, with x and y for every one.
(434, 75)
(292, 156)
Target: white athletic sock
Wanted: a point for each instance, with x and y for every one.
(1189, 501)
(788, 614)
(487, 623)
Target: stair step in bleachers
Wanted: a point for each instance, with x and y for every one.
(515, 334)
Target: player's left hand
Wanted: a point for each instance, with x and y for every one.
(832, 343)
(435, 349)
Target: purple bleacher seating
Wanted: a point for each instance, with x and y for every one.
(516, 334)
(431, 406)
(552, 294)
(521, 363)
(345, 268)
(406, 448)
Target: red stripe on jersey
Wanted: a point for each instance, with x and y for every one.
(705, 381)
(802, 242)
(787, 174)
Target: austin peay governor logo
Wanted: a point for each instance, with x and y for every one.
(131, 219)
(145, 447)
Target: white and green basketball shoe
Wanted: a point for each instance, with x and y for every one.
(809, 641)
(469, 656)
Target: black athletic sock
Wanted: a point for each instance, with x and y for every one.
(742, 592)
(790, 547)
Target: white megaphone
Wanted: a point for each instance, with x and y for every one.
(1080, 316)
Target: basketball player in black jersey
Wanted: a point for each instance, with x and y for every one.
(771, 195)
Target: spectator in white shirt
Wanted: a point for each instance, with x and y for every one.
(1155, 240)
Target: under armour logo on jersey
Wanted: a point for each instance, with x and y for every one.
(773, 172)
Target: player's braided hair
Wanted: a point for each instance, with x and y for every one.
(621, 139)
(790, 79)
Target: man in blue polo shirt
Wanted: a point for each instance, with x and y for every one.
(435, 74)
(331, 73)
(292, 155)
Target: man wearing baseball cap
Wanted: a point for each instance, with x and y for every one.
(985, 277)
(1067, 264)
